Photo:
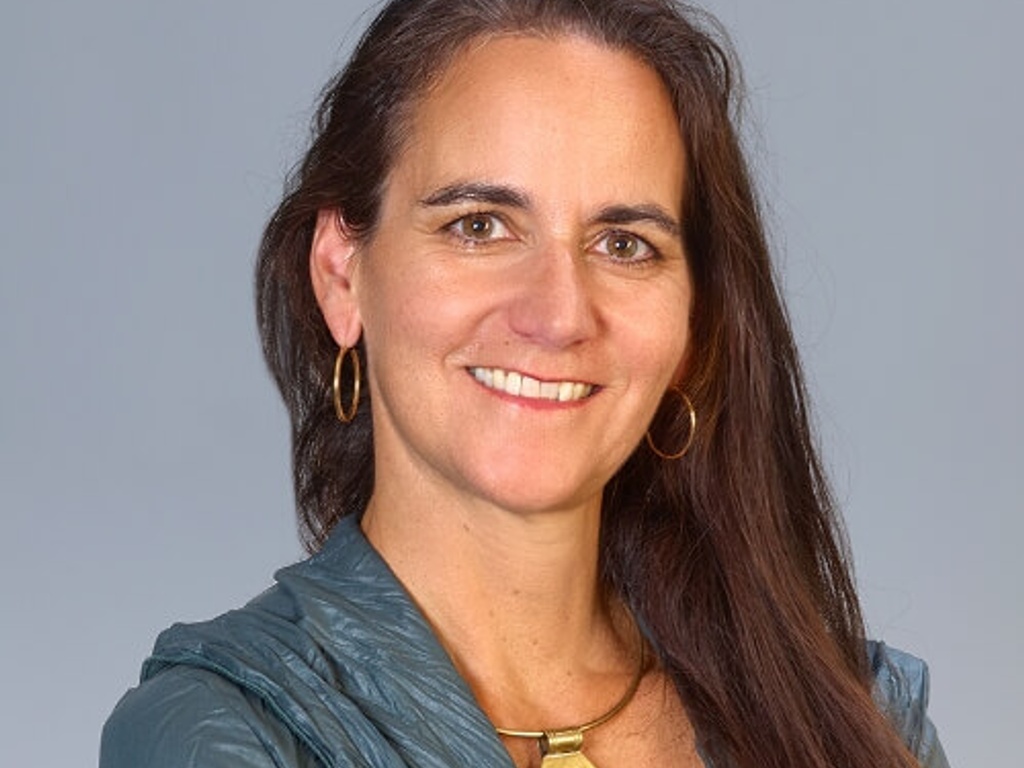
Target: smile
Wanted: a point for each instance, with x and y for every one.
(520, 385)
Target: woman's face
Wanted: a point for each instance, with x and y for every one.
(525, 300)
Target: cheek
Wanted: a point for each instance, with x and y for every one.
(411, 313)
(656, 336)
(668, 355)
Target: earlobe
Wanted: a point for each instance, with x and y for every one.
(332, 266)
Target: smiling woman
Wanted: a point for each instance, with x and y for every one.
(532, 221)
(492, 252)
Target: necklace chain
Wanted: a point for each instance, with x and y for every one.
(569, 741)
(619, 706)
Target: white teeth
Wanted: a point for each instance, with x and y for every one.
(517, 384)
(513, 383)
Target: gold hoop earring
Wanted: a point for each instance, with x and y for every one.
(352, 354)
(692, 413)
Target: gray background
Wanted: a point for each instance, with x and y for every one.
(143, 453)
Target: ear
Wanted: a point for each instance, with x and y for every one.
(332, 267)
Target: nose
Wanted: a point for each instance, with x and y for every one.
(554, 304)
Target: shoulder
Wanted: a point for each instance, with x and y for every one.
(186, 716)
(901, 687)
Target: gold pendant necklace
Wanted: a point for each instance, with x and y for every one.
(564, 748)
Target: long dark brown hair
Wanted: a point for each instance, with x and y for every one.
(732, 558)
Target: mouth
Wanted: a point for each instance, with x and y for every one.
(520, 385)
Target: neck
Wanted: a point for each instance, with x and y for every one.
(514, 598)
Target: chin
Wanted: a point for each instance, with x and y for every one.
(539, 493)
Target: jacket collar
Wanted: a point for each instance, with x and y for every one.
(339, 652)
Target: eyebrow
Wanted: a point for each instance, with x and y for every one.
(491, 194)
(633, 214)
(502, 195)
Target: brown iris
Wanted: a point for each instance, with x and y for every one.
(477, 227)
(622, 247)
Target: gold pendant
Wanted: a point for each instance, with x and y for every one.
(566, 760)
(561, 749)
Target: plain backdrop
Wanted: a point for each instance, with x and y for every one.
(144, 458)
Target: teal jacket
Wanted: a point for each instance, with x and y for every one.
(334, 666)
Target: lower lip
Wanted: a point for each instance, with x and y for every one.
(535, 403)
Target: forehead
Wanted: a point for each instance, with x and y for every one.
(531, 107)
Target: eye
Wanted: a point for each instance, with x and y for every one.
(479, 228)
(625, 247)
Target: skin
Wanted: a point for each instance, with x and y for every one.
(530, 225)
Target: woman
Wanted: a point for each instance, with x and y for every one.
(550, 440)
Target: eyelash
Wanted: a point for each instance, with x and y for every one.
(454, 228)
